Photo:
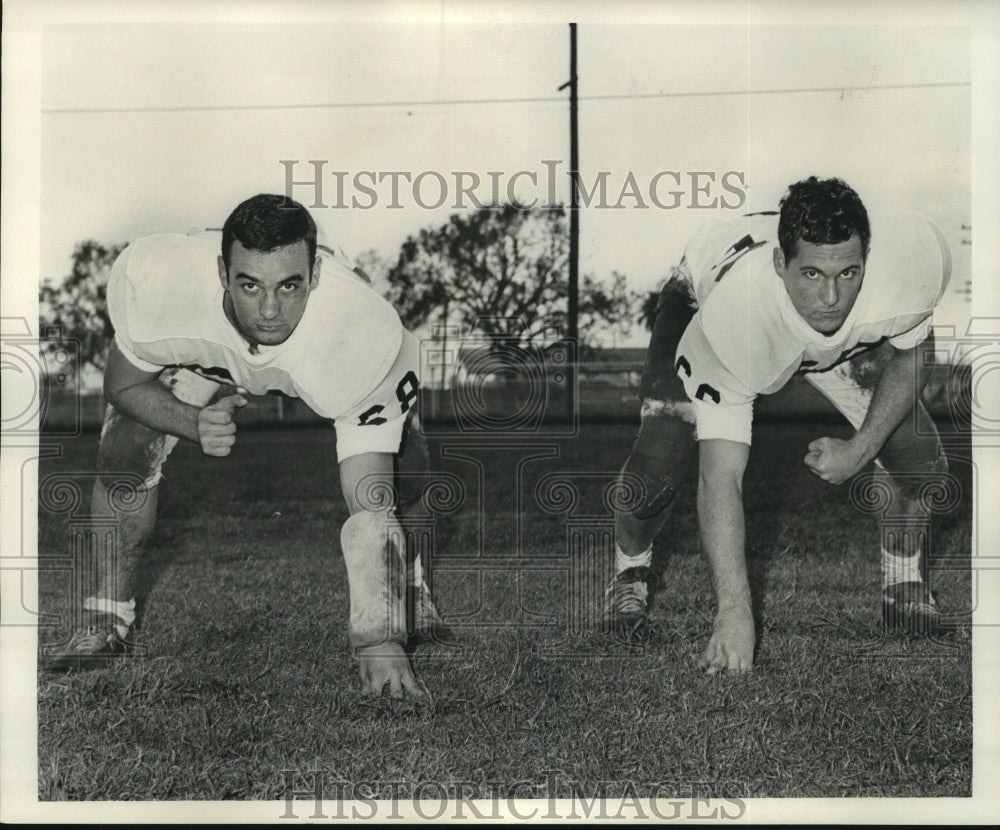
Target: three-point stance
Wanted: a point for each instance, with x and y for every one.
(815, 289)
(196, 330)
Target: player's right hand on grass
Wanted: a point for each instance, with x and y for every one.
(732, 643)
(387, 664)
(216, 428)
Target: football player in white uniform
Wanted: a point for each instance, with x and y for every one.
(196, 331)
(815, 289)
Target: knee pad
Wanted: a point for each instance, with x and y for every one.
(927, 481)
(913, 455)
(658, 457)
(129, 447)
(373, 545)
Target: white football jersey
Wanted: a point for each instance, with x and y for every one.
(747, 339)
(349, 358)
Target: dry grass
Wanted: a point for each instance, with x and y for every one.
(248, 688)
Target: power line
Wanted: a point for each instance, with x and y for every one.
(481, 101)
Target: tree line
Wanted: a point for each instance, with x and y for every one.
(502, 271)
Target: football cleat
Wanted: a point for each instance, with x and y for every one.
(627, 599)
(92, 646)
(423, 622)
(910, 608)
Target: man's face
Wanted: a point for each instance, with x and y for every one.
(823, 281)
(268, 290)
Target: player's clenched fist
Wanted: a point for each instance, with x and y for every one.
(833, 459)
(216, 428)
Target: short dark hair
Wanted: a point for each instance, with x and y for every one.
(265, 222)
(823, 212)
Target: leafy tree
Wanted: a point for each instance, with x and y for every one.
(76, 309)
(505, 271)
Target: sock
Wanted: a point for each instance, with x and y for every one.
(125, 611)
(416, 575)
(641, 560)
(896, 569)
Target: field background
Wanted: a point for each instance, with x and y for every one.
(248, 686)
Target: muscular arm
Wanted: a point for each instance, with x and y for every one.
(895, 396)
(720, 518)
(142, 397)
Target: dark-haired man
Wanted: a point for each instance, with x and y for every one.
(196, 330)
(815, 289)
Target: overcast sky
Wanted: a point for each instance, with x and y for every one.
(150, 127)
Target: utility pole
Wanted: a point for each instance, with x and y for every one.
(574, 210)
(573, 289)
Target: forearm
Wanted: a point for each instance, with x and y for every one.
(154, 405)
(720, 515)
(895, 396)
(723, 535)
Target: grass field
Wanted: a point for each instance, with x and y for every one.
(248, 686)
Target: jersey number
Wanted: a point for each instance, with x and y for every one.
(704, 389)
(406, 391)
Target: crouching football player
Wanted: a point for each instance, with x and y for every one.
(196, 331)
(753, 302)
